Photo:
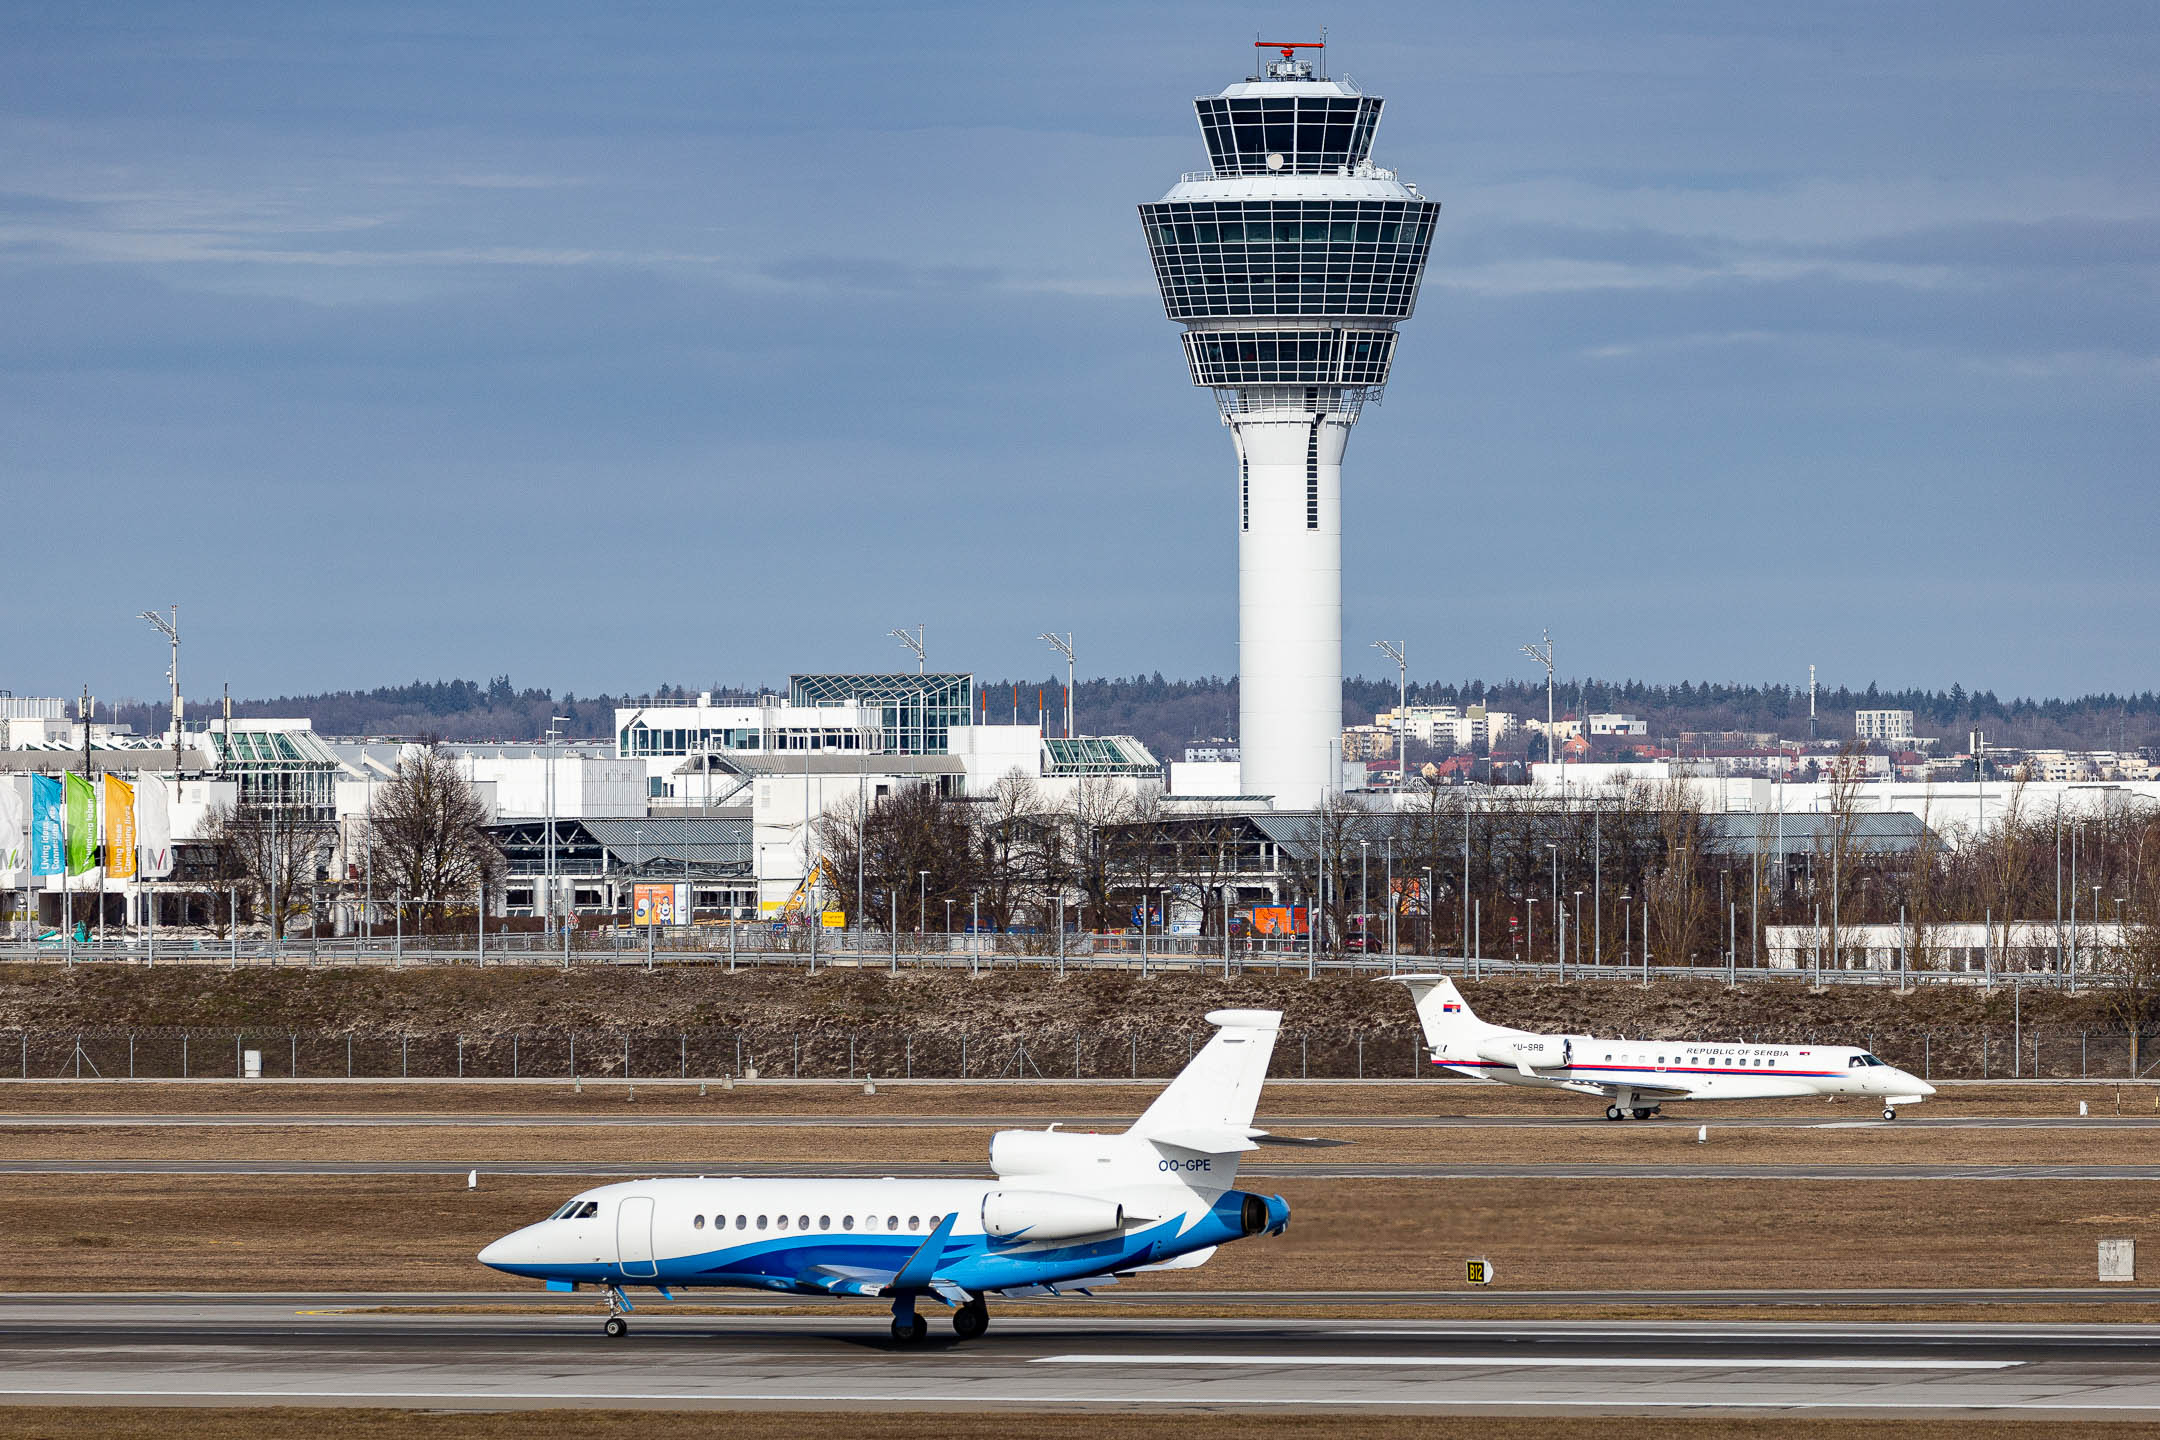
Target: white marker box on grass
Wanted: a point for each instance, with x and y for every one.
(2118, 1260)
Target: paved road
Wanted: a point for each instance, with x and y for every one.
(159, 1351)
(1311, 1170)
(1284, 1125)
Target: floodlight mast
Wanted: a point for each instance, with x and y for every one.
(1064, 647)
(1289, 263)
(913, 642)
(170, 629)
(1395, 650)
(1544, 657)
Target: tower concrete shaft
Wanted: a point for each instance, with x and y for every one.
(1289, 262)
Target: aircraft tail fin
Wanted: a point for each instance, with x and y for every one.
(1211, 1102)
(1441, 1009)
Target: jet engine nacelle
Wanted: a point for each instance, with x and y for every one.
(1539, 1052)
(1047, 1215)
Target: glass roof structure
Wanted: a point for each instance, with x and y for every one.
(918, 711)
(1099, 755)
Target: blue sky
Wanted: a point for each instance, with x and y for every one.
(612, 346)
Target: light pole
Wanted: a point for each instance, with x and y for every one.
(1578, 932)
(948, 923)
(1394, 651)
(1364, 897)
(1561, 956)
(1530, 931)
(1627, 927)
(922, 888)
(1544, 657)
(1387, 883)
(1430, 944)
(1064, 647)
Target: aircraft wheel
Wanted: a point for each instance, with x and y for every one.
(1612, 1112)
(1644, 1114)
(971, 1319)
(615, 1328)
(1888, 1113)
(911, 1331)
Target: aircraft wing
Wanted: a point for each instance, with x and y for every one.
(850, 1279)
(918, 1273)
(1612, 1091)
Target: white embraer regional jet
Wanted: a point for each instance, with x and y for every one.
(1067, 1211)
(1634, 1076)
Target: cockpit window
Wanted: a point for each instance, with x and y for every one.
(589, 1209)
(1871, 1060)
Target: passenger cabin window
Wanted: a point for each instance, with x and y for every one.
(761, 1222)
(783, 1222)
(892, 1222)
(697, 1222)
(802, 1222)
(742, 1222)
(824, 1222)
(914, 1222)
(847, 1222)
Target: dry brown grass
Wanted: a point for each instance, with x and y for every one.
(208, 1423)
(420, 1233)
(1730, 1143)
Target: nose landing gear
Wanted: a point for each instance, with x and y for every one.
(615, 1327)
(1889, 1112)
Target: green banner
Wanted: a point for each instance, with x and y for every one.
(82, 829)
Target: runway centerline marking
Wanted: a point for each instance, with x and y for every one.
(1544, 1362)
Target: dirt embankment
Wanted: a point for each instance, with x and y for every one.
(1097, 1023)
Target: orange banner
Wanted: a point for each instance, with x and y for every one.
(119, 808)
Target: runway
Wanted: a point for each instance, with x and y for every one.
(260, 1351)
(604, 1170)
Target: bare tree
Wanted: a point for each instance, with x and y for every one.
(1679, 898)
(277, 857)
(429, 840)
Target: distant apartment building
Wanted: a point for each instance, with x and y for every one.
(1889, 728)
(1616, 725)
(1452, 727)
(1368, 742)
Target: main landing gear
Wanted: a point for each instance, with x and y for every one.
(1639, 1112)
(971, 1319)
(908, 1328)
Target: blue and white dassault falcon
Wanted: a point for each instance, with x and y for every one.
(1634, 1076)
(1067, 1211)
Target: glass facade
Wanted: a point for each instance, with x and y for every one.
(1308, 134)
(918, 711)
(1289, 257)
(1289, 357)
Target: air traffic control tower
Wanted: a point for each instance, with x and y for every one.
(1289, 264)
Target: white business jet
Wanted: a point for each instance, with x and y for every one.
(1634, 1076)
(1067, 1211)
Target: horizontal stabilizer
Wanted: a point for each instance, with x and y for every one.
(1311, 1142)
(1206, 1142)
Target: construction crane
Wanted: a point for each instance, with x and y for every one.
(794, 906)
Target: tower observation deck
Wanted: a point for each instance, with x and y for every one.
(1289, 263)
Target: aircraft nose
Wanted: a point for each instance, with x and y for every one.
(496, 1253)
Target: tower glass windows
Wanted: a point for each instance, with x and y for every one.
(1235, 258)
(1309, 134)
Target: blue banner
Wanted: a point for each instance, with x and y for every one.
(48, 838)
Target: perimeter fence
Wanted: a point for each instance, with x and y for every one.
(1039, 1053)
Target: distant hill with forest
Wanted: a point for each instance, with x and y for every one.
(1172, 714)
